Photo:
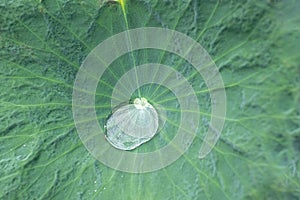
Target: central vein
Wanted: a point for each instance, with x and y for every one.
(122, 3)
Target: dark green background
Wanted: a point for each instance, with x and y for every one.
(254, 43)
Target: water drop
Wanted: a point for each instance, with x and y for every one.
(132, 125)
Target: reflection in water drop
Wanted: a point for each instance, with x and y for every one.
(132, 125)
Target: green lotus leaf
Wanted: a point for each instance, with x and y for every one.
(254, 44)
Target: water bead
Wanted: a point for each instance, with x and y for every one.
(131, 125)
